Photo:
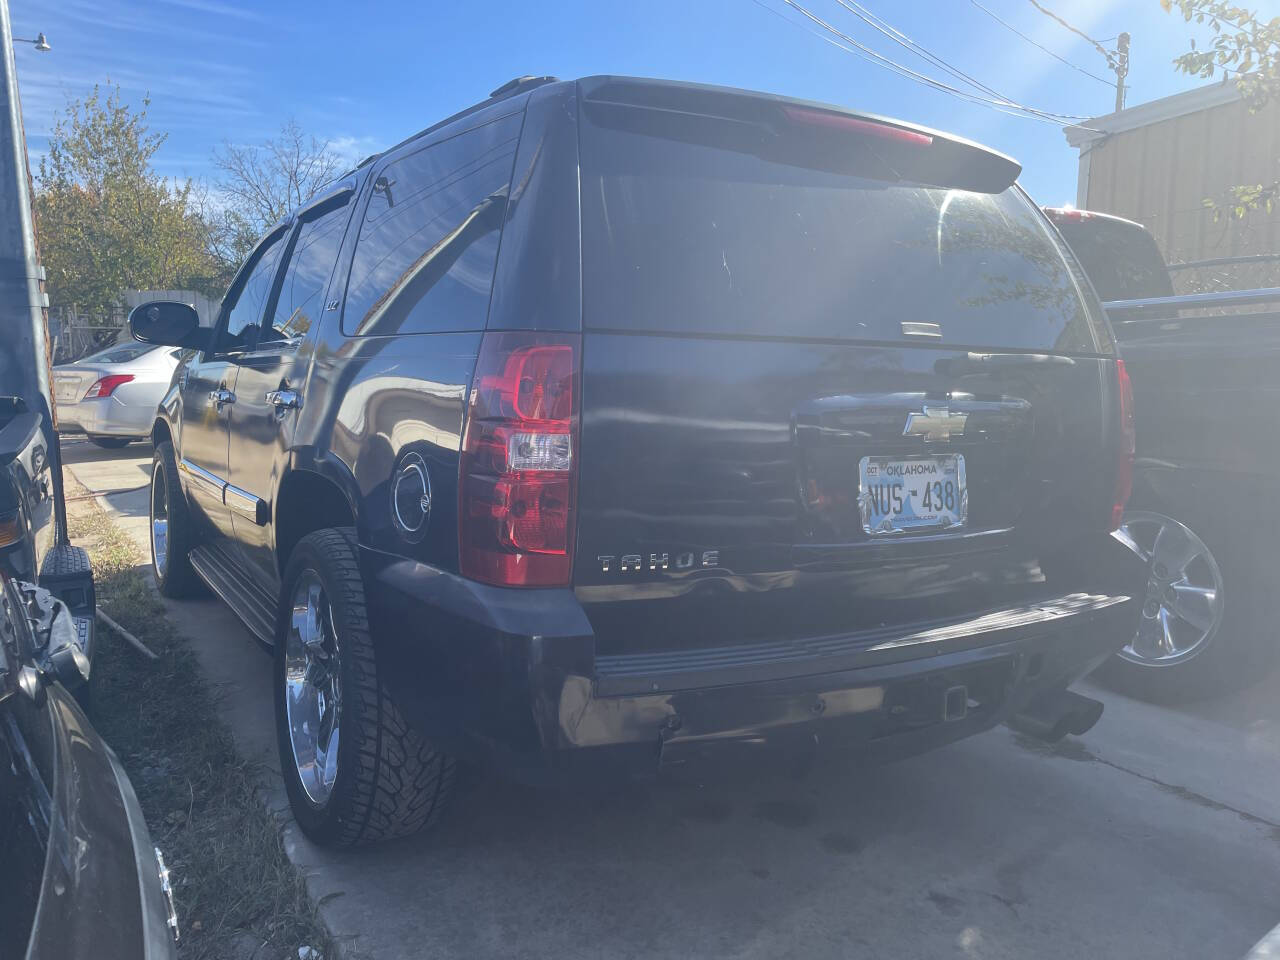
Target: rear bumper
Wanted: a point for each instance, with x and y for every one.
(509, 678)
(107, 417)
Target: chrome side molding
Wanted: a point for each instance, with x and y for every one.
(241, 501)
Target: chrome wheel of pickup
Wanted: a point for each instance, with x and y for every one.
(313, 688)
(1183, 606)
(159, 520)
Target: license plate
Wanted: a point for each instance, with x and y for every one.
(65, 390)
(912, 494)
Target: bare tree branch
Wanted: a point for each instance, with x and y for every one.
(262, 182)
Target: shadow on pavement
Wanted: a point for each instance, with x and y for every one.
(81, 450)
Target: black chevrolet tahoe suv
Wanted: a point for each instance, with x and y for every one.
(615, 423)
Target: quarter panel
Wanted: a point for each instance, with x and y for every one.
(370, 400)
(132, 406)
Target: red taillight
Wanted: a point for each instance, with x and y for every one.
(518, 470)
(872, 128)
(107, 385)
(1125, 444)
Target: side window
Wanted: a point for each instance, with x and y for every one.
(301, 297)
(252, 299)
(429, 237)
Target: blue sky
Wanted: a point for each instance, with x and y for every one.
(365, 75)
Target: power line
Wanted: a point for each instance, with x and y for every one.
(1117, 60)
(859, 49)
(905, 71)
(1111, 61)
(900, 38)
(858, 53)
(1036, 43)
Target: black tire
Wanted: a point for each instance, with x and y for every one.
(1243, 647)
(111, 443)
(176, 579)
(390, 781)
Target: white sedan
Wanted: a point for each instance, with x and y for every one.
(112, 395)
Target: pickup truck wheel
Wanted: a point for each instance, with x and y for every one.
(171, 534)
(1202, 630)
(354, 771)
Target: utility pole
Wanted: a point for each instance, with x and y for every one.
(24, 339)
(1117, 60)
(1121, 67)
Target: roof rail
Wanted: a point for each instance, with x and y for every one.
(508, 89)
(519, 85)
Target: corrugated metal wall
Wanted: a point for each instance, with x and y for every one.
(1160, 174)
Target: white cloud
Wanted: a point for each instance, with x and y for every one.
(219, 9)
(354, 149)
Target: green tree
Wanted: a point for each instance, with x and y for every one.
(108, 222)
(1247, 46)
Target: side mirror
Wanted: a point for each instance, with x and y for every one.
(167, 323)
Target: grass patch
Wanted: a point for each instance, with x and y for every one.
(238, 896)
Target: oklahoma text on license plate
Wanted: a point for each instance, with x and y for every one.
(902, 495)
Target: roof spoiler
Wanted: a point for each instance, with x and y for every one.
(909, 152)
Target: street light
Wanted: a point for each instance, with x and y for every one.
(39, 42)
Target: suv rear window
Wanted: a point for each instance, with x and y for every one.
(689, 235)
(1121, 259)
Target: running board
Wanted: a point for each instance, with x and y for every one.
(217, 565)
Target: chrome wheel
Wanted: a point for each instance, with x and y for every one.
(1182, 608)
(313, 688)
(159, 520)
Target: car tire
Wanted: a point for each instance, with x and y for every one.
(171, 532)
(1242, 644)
(111, 443)
(381, 779)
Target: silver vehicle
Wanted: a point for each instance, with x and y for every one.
(112, 395)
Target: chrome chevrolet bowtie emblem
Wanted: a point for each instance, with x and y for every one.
(935, 423)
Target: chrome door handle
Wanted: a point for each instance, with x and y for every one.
(284, 399)
(220, 396)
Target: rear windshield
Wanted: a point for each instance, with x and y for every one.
(1122, 260)
(120, 353)
(693, 236)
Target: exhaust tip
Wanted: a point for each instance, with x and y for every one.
(1055, 715)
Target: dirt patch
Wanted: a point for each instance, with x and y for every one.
(238, 895)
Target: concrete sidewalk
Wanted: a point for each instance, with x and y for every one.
(1157, 834)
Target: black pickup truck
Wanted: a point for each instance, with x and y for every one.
(613, 423)
(1207, 466)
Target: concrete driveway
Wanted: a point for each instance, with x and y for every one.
(1155, 835)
